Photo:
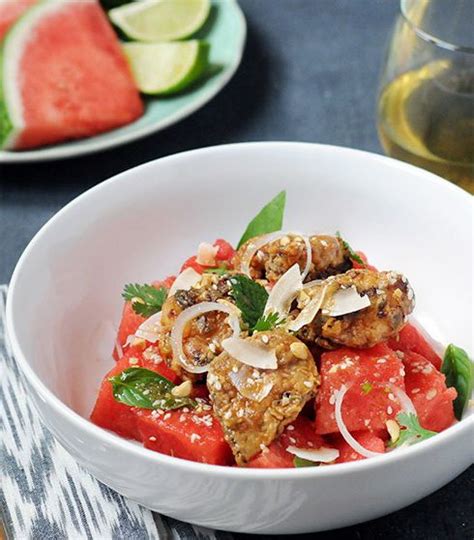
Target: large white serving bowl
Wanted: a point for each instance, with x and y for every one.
(64, 302)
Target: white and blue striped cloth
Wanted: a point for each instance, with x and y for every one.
(45, 494)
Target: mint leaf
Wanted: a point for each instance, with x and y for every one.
(352, 254)
(412, 432)
(300, 462)
(268, 322)
(146, 389)
(459, 372)
(146, 300)
(250, 297)
(269, 219)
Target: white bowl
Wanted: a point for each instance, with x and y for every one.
(64, 302)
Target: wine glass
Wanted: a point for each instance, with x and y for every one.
(426, 99)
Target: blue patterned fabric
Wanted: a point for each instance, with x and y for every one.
(45, 494)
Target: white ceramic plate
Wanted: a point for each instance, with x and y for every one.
(225, 31)
(64, 303)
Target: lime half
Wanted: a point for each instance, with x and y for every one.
(165, 68)
(160, 20)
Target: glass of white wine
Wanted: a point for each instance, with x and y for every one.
(426, 99)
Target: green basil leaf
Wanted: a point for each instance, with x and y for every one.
(412, 432)
(300, 462)
(146, 300)
(459, 372)
(250, 297)
(146, 389)
(269, 219)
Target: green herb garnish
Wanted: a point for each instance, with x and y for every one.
(146, 389)
(412, 432)
(250, 297)
(352, 254)
(459, 372)
(300, 462)
(269, 219)
(146, 300)
(366, 387)
(268, 322)
(220, 270)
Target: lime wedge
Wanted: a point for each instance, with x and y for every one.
(160, 20)
(165, 68)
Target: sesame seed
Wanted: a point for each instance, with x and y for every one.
(218, 385)
(308, 384)
(167, 416)
(290, 427)
(415, 390)
(389, 410)
(265, 339)
(146, 392)
(195, 437)
(381, 361)
(152, 438)
(235, 369)
(310, 444)
(292, 440)
(431, 394)
(212, 347)
(391, 397)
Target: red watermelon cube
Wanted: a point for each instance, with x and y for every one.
(426, 387)
(368, 374)
(410, 339)
(367, 439)
(300, 433)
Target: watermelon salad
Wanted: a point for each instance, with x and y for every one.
(64, 73)
(287, 350)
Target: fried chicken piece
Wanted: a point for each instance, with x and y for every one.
(273, 398)
(271, 261)
(391, 301)
(203, 335)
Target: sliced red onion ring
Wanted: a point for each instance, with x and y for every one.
(350, 440)
(188, 315)
(258, 243)
(405, 401)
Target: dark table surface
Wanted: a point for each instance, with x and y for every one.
(309, 73)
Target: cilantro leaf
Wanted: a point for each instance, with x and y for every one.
(352, 254)
(220, 270)
(300, 462)
(268, 322)
(269, 219)
(459, 372)
(250, 297)
(412, 432)
(146, 389)
(146, 300)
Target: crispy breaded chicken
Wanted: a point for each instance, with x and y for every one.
(203, 335)
(273, 398)
(391, 300)
(271, 261)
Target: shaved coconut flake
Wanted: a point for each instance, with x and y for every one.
(284, 292)
(150, 329)
(188, 315)
(405, 401)
(206, 254)
(118, 349)
(323, 454)
(346, 301)
(258, 243)
(250, 353)
(355, 445)
(185, 281)
(248, 387)
(309, 312)
(311, 284)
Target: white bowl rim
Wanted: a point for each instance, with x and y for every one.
(112, 439)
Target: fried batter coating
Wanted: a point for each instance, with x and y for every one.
(273, 398)
(203, 335)
(391, 298)
(271, 261)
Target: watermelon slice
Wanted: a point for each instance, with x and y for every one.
(367, 439)
(410, 340)
(10, 11)
(63, 76)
